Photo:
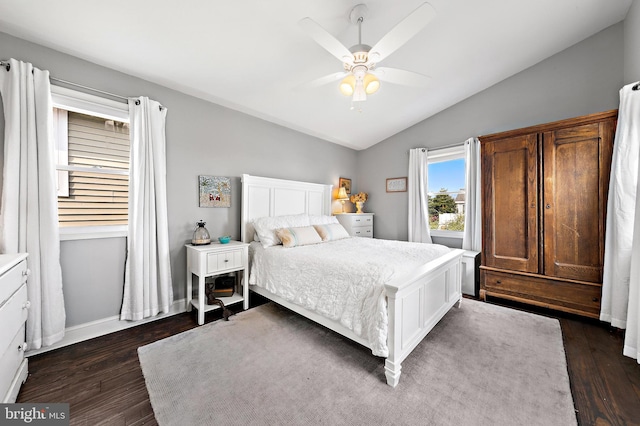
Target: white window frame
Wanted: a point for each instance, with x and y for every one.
(84, 103)
(438, 156)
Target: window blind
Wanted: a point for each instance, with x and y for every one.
(96, 198)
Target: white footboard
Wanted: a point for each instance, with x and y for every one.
(416, 303)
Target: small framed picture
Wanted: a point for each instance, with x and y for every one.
(215, 191)
(346, 184)
(397, 184)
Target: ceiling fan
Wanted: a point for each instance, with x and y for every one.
(361, 75)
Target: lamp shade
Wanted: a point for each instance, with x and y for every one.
(342, 194)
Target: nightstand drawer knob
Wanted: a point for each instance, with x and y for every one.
(26, 305)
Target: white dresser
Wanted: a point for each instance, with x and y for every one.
(14, 307)
(357, 224)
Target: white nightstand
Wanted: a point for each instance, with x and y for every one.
(217, 259)
(357, 224)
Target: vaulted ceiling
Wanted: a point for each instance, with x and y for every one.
(254, 57)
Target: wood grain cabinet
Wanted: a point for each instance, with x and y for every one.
(544, 198)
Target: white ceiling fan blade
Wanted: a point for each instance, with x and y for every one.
(405, 78)
(403, 32)
(330, 78)
(326, 40)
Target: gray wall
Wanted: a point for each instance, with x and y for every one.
(632, 44)
(202, 139)
(582, 79)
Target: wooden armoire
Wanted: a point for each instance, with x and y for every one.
(544, 199)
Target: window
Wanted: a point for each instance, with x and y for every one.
(446, 178)
(92, 147)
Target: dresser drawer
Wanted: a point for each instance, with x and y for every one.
(357, 224)
(546, 292)
(221, 261)
(362, 231)
(10, 360)
(358, 220)
(11, 280)
(13, 314)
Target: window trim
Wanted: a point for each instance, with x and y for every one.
(85, 103)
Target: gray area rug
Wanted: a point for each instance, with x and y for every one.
(481, 365)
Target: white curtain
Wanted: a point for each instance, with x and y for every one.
(147, 289)
(29, 212)
(621, 280)
(472, 238)
(418, 196)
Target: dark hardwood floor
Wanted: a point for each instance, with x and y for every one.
(102, 381)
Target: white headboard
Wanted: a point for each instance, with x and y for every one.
(263, 196)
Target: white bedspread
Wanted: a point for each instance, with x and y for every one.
(342, 280)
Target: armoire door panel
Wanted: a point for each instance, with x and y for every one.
(510, 188)
(572, 208)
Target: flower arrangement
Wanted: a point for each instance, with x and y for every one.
(360, 197)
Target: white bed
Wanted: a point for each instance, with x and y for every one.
(416, 298)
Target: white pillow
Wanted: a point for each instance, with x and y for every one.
(266, 227)
(300, 236)
(331, 231)
(322, 220)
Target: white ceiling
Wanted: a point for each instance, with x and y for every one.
(252, 56)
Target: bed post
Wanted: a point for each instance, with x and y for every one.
(392, 367)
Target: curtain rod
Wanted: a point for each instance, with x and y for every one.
(459, 144)
(124, 99)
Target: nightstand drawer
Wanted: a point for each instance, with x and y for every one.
(224, 260)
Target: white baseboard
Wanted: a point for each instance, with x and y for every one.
(89, 330)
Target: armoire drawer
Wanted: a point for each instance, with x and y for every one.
(564, 295)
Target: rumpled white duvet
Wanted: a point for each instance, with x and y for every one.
(342, 280)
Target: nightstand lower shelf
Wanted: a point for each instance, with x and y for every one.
(230, 300)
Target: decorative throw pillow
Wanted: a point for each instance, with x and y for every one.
(302, 236)
(331, 231)
(265, 227)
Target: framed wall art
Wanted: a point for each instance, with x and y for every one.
(215, 191)
(397, 184)
(346, 184)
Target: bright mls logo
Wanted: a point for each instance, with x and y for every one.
(34, 414)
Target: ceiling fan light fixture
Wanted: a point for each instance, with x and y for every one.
(359, 92)
(359, 86)
(371, 84)
(348, 85)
